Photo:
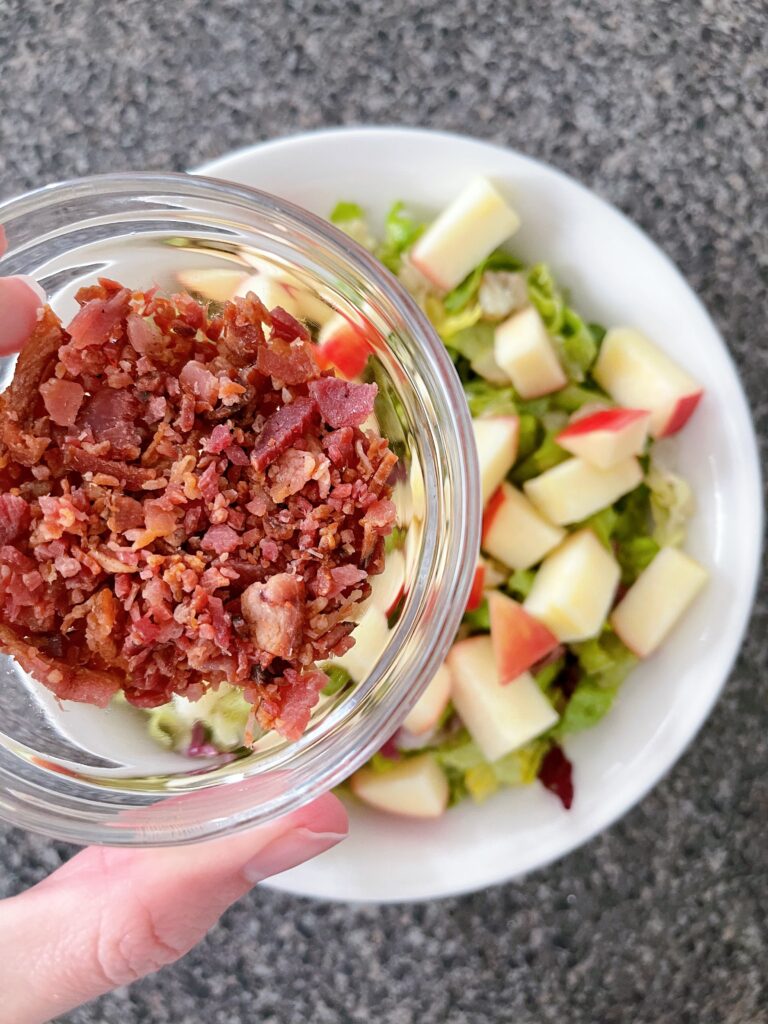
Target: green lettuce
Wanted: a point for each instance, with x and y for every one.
(546, 456)
(479, 620)
(520, 582)
(671, 504)
(574, 339)
(467, 290)
(605, 659)
(350, 217)
(338, 679)
(588, 704)
(400, 232)
(469, 774)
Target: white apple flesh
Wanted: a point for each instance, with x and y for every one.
(574, 489)
(607, 437)
(499, 718)
(496, 441)
(525, 352)
(370, 636)
(656, 601)
(416, 788)
(514, 532)
(388, 587)
(638, 375)
(574, 588)
(426, 712)
(216, 284)
(464, 234)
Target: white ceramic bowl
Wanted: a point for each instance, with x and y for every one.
(616, 275)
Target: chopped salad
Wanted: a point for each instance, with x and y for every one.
(581, 572)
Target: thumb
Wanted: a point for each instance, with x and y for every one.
(110, 916)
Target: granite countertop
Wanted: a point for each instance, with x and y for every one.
(661, 108)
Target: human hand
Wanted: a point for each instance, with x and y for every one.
(110, 916)
(20, 299)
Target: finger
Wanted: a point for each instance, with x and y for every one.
(20, 300)
(110, 916)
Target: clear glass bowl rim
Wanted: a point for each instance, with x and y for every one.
(318, 767)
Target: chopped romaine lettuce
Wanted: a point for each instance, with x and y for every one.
(400, 232)
(338, 678)
(605, 659)
(343, 212)
(672, 505)
(589, 702)
(479, 620)
(350, 217)
(602, 524)
(396, 539)
(574, 396)
(546, 456)
(520, 582)
(574, 340)
(546, 676)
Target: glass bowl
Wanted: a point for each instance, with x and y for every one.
(94, 776)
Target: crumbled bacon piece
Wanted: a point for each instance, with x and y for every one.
(185, 500)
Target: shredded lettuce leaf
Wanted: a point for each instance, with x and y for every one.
(400, 232)
(479, 620)
(338, 678)
(605, 659)
(672, 505)
(520, 582)
(469, 773)
(395, 540)
(588, 704)
(546, 676)
(546, 456)
(351, 218)
(573, 337)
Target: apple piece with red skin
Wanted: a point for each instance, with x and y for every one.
(514, 532)
(416, 787)
(499, 718)
(607, 437)
(524, 351)
(345, 345)
(574, 489)
(428, 709)
(656, 600)
(519, 640)
(467, 231)
(496, 439)
(574, 588)
(637, 374)
(475, 598)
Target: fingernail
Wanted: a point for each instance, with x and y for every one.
(287, 851)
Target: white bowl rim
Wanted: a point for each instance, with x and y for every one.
(634, 790)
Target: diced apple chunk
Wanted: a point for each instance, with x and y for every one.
(657, 599)
(496, 442)
(607, 437)
(525, 352)
(388, 587)
(573, 590)
(344, 345)
(574, 489)
(519, 640)
(499, 718)
(370, 636)
(426, 712)
(467, 231)
(514, 532)
(637, 374)
(416, 788)
(213, 283)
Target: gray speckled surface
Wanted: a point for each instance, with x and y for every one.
(659, 106)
